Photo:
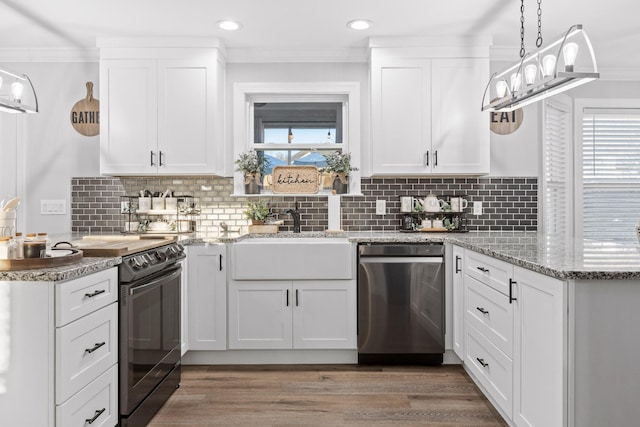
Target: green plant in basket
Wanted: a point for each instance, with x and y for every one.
(257, 211)
(338, 163)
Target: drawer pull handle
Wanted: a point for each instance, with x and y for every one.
(482, 362)
(96, 293)
(484, 270)
(482, 310)
(458, 270)
(95, 347)
(95, 417)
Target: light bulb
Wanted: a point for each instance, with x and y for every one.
(548, 65)
(569, 53)
(530, 73)
(16, 90)
(516, 82)
(501, 88)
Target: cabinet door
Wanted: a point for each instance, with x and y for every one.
(129, 122)
(184, 304)
(458, 301)
(260, 314)
(540, 325)
(401, 116)
(186, 115)
(460, 137)
(207, 296)
(324, 314)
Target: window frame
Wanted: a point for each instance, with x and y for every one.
(579, 106)
(245, 94)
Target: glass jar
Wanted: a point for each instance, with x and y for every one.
(19, 239)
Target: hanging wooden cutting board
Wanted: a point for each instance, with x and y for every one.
(85, 114)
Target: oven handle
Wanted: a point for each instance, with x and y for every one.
(156, 282)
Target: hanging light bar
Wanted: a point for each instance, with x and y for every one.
(12, 93)
(543, 73)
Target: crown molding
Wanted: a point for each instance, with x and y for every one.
(49, 54)
(281, 55)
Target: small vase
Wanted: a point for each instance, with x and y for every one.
(341, 184)
(252, 184)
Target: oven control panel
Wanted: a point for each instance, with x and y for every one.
(145, 263)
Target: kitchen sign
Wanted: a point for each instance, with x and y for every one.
(85, 114)
(294, 180)
(506, 122)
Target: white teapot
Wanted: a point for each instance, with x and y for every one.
(432, 203)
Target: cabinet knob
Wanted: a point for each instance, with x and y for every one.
(484, 270)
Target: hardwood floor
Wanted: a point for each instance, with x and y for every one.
(326, 395)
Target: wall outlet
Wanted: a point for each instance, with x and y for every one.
(477, 208)
(381, 207)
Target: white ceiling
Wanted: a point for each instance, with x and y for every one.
(293, 24)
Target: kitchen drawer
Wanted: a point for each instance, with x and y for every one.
(85, 349)
(79, 297)
(490, 312)
(491, 368)
(98, 401)
(490, 271)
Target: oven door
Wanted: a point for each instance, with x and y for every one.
(149, 334)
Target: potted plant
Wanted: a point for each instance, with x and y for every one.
(339, 165)
(257, 212)
(252, 166)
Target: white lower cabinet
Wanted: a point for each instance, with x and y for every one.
(274, 314)
(61, 361)
(539, 383)
(515, 329)
(94, 405)
(207, 297)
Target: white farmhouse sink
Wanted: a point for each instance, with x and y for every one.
(300, 258)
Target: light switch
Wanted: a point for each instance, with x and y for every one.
(381, 207)
(53, 207)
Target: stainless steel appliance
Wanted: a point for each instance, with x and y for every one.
(401, 315)
(149, 361)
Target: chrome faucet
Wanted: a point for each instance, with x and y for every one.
(295, 214)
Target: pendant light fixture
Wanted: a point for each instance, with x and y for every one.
(566, 63)
(12, 91)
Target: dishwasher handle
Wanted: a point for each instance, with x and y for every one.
(401, 260)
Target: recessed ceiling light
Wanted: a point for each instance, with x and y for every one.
(228, 25)
(359, 24)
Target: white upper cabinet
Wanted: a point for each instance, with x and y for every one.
(425, 113)
(162, 111)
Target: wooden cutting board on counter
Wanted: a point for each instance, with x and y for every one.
(108, 246)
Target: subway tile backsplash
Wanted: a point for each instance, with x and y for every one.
(509, 203)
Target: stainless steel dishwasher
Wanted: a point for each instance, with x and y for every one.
(401, 303)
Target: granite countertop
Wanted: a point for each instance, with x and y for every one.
(578, 260)
(87, 265)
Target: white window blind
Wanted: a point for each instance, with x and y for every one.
(610, 173)
(557, 200)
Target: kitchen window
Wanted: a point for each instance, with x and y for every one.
(608, 180)
(296, 124)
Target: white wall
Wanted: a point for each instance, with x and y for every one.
(53, 151)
